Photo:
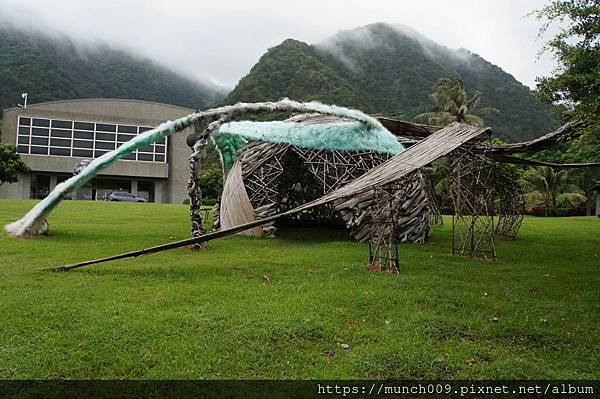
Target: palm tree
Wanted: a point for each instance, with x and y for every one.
(453, 105)
(438, 173)
(547, 183)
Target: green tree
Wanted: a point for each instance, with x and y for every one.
(211, 182)
(548, 184)
(10, 164)
(453, 105)
(575, 84)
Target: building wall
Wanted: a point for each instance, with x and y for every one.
(170, 178)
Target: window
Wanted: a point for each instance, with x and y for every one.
(62, 124)
(57, 137)
(128, 129)
(105, 127)
(84, 126)
(38, 131)
(41, 122)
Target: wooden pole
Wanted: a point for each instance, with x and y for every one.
(195, 193)
(172, 245)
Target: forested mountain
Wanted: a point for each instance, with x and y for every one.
(390, 70)
(57, 69)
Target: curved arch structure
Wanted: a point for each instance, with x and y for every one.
(35, 223)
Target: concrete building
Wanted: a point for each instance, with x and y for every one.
(52, 137)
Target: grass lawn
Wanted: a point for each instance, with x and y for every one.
(282, 308)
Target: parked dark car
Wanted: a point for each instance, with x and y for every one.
(124, 197)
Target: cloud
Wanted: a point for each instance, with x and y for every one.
(221, 40)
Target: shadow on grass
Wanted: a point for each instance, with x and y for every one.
(312, 234)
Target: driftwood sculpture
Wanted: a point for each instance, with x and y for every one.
(268, 179)
(347, 162)
(439, 144)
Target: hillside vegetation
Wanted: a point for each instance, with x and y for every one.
(390, 70)
(57, 69)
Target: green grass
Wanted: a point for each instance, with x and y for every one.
(181, 314)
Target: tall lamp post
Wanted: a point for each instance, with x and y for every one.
(24, 97)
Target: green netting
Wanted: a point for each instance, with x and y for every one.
(345, 136)
(228, 145)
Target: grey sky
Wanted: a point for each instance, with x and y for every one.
(222, 39)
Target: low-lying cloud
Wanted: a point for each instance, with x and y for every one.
(220, 41)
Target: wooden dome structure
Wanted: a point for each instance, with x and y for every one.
(270, 178)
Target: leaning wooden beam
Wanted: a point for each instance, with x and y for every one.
(541, 143)
(405, 128)
(521, 161)
(437, 145)
(171, 245)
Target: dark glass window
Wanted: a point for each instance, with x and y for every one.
(88, 139)
(61, 133)
(105, 136)
(144, 157)
(105, 146)
(124, 137)
(62, 124)
(37, 131)
(129, 156)
(60, 142)
(83, 144)
(127, 129)
(41, 122)
(83, 135)
(60, 151)
(82, 153)
(39, 140)
(105, 127)
(39, 150)
(84, 126)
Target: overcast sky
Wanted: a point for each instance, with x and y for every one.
(222, 39)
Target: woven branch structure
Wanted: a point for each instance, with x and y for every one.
(269, 178)
(488, 202)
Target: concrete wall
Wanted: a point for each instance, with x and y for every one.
(174, 173)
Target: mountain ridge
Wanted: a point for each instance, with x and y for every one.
(383, 70)
(56, 68)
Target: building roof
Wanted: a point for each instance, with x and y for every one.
(80, 100)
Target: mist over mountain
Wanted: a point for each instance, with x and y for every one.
(56, 68)
(390, 70)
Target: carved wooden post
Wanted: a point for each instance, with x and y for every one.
(195, 194)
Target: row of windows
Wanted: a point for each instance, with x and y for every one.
(105, 127)
(39, 136)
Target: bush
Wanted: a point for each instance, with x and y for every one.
(559, 212)
(10, 164)
(211, 184)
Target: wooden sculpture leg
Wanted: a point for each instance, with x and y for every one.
(195, 194)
